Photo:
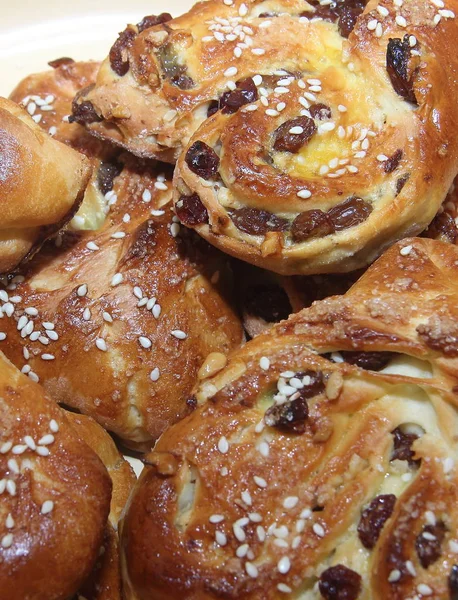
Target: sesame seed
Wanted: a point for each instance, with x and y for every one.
(372, 24)
(180, 335)
(107, 317)
(258, 51)
(118, 235)
(260, 481)
(53, 426)
(243, 10)
(255, 517)
(230, 72)
(27, 330)
(405, 251)
(86, 314)
(52, 130)
(325, 127)
(383, 11)
(436, 19)
(174, 229)
(22, 322)
(3, 296)
(270, 112)
(223, 445)
(37, 118)
(264, 363)
(47, 507)
(280, 106)
(395, 575)
(264, 449)
(438, 3)
(31, 311)
(101, 344)
(48, 357)
(382, 157)
(142, 302)
(238, 532)
(453, 545)
(7, 540)
(126, 218)
(341, 108)
(304, 194)
(242, 551)
(246, 497)
(138, 292)
(379, 30)
(11, 487)
(8, 309)
(430, 517)
(257, 80)
(284, 565)
(117, 279)
(282, 587)
(220, 538)
(448, 464)
(424, 589)
(13, 465)
(318, 529)
(447, 14)
(82, 290)
(155, 374)
(146, 196)
(31, 108)
(159, 185)
(231, 85)
(296, 130)
(237, 52)
(400, 20)
(46, 440)
(145, 342)
(251, 570)
(290, 502)
(42, 451)
(92, 246)
(9, 523)
(411, 568)
(2, 336)
(264, 101)
(156, 311)
(151, 302)
(412, 41)
(33, 376)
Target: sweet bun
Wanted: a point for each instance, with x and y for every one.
(302, 172)
(55, 495)
(42, 184)
(321, 461)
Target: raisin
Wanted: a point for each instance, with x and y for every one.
(59, 62)
(340, 583)
(183, 81)
(392, 163)
(402, 447)
(397, 66)
(453, 583)
(119, 59)
(152, 21)
(245, 93)
(373, 519)
(202, 160)
(443, 227)
(83, 111)
(311, 224)
(291, 416)
(349, 213)
(284, 141)
(429, 550)
(400, 183)
(256, 221)
(348, 15)
(213, 108)
(191, 211)
(269, 302)
(314, 385)
(106, 175)
(175, 72)
(320, 111)
(372, 361)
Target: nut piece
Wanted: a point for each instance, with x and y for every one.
(214, 362)
(334, 385)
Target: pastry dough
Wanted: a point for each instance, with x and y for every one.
(42, 184)
(321, 462)
(55, 495)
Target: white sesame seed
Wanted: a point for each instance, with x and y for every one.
(264, 449)
(447, 14)
(383, 11)
(379, 30)
(400, 20)
(27, 330)
(411, 568)
(37, 118)
(382, 157)
(33, 376)
(31, 311)
(372, 24)
(48, 357)
(264, 363)
(11, 487)
(151, 302)
(142, 302)
(325, 127)
(101, 344)
(424, 589)
(7, 540)
(117, 279)
(405, 251)
(52, 130)
(220, 538)
(395, 575)
(297, 130)
(118, 235)
(3, 296)
(260, 481)
(270, 112)
(436, 19)
(258, 51)
(246, 497)
(282, 587)
(156, 311)
(238, 532)
(53, 426)
(9, 523)
(448, 464)
(237, 52)
(304, 193)
(31, 108)
(46, 440)
(318, 529)
(257, 80)
(284, 565)
(243, 10)
(8, 309)
(146, 196)
(82, 290)
(242, 551)
(223, 445)
(107, 317)
(251, 570)
(290, 502)
(22, 322)
(310, 96)
(47, 507)
(174, 229)
(412, 41)
(92, 246)
(138, 292)
(159, 185)
(180, 335)
(42, 451)
(453, 545)
(145, 342)
(2, 336)
(230, 72)
(155, 374)
(264, 101)
(86, 314)
(13, 464)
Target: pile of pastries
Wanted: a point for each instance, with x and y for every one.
(229, 250)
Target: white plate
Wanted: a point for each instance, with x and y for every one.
(35, 32)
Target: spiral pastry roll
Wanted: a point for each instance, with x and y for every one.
(54, 495)
(321, 461)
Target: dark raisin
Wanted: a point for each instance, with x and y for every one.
(311, 224)
(400, 183)
(453, 583)
(256, 221)
(175, 72)
(291, 416)
(373, 519)
(402, 446)
(284, 141)
(392, 163)
(106, 175)
(372, 361)
(429, 548)
(320, 111)
(268, 302)
(183, 81)
(314, 385)
(213, 108)
(152, 21)
(119, 59)
(340, 583)
(191, 402)
(443, 227)
(348, 16)
(267, 15)
(202, 160)
(59, 62)
(83, 111)
(245, 93)
(349, 213)
(191, 211)
(397, 66)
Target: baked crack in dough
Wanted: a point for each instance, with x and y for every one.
(116, 323)
(321, 461)
(54, 495)
(42, 185)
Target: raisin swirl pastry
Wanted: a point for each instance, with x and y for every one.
(321, 461)
(42, 185)
(332, 159)
(54, 495)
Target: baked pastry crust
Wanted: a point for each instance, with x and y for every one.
(42, 184)
(336, 479)
(55, 495)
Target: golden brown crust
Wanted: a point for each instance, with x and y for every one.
(41, 185)
(276, 479)
(55, 495)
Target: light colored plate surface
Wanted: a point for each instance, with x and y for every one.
(35, 32)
